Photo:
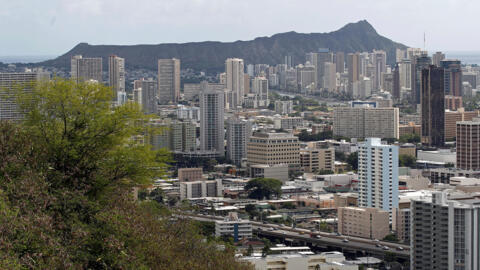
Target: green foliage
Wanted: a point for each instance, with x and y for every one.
(289, 205)
(390, 238)
(324, 172)
(308, 137)
(260, 188)
(409, 138)
(323, 226)
(407, 161)
(66, 178)
(352, 160)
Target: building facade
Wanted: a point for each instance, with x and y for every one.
(116, 78)
(273, 149)
(234, 70)
(369, 223)
(433, 108)
(86, 69)
(378, 175)
(468, 145)
(366, 122)
(200, 189)
(168, 81)
(238, 133)
(212, 131)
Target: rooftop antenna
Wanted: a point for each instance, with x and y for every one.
(424, 41)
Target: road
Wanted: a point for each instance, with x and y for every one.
(326, 239)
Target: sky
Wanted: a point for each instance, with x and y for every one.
(52, 27)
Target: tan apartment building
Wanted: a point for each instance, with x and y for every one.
(190, 174)
(468, 145)
(410, 128)
(451, 119)
(365, 122)
(369, 223)
(317, 159)
(273, 149)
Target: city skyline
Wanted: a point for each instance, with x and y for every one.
(55, 20)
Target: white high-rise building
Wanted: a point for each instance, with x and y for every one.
(380, 63)
(260, 89)
(405, 74)
(212, 132)
(238, 134)
(378, 175)
(168, 80)
(116, 78)
(445, 232)
(86, 69)
(234, 69)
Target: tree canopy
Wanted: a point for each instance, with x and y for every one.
(260, 188)
(67, 175)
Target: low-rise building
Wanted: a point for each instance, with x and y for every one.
(287, 122)
(317, 159)
(279, 171)
(199, 189)
(369, 223)
(190, 174)
(233, 226)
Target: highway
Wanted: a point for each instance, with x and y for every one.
(326, 239)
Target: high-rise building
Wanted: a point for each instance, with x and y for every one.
(437, 58)
(86, 69)
(149, 96)
(289, 61)
(380, 64)
(234, 70)
(305, 76)
(444, 233)
(212, 131)
(419, 63)
(168, 80)
(468, 145)
(330, 77)
(116, 78)
(340, 62)
(273, 149)
(316, 159)
(364, 122)
(396, 83)
(451, 119)
(378, 175)
(318, 60)
(260, 89)
(11, 81)
(353, 68)
(452, 77)
(433, 108)
(238, 134)
(405, 72)
(174, 135)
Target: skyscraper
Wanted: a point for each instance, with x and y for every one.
(452, 77)
(468, 145)
(318, 60)
(445, 232)
(289, 60)
(419, 63)
(437, 58)
(116, 77)
(396, 83)
(168, 80)
(330, 77)
(149, 96)
(433, 108)
(212, 132)
(352, 66)
(85, 69)
(378, 175)
(234, 69)
(340, 62)
(238, 134)
(380, 63)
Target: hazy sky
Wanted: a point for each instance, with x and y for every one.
(52, 27)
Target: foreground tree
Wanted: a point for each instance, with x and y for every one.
(260, 188)
(66, 179)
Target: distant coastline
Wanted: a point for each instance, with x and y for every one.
(467, 57)
(25, 58)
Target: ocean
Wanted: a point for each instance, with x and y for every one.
(467, 57)
(25, 58)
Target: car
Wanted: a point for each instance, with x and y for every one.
(378, 245)
(338, 234)
(270, 229)
(376, 240)
(302, 232)
(400, 248)
(318, 236)
(275, 229)
(385, 248)
(345, 240)
(282, 225)
(264, 222)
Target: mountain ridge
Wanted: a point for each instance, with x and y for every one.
(210, 55)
